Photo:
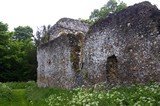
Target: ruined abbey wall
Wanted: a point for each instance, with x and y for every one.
(60, 60)
(123, 48)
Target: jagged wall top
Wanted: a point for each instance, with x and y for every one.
(133, 16)
(67, 25)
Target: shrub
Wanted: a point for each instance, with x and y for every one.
(20, 85)
(5, 92)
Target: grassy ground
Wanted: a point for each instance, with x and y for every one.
(14, 94)
(28, 94)
(19, 98)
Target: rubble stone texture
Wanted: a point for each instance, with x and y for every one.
(60, 60)
(123, 48)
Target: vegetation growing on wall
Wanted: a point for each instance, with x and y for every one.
(75, 53)
(42, 35)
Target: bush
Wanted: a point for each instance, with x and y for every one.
(20, 85)
(5, 92)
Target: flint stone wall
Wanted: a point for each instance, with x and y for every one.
(60, 60)
(125, 47)
(56, 64)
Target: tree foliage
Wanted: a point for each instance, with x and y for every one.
(4, 45)
(112, 6)
(23, 33)
(17, 54)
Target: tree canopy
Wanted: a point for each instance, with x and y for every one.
(17, 54)
(23, 33)
(112, 6)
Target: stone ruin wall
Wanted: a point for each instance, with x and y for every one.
(65, 26)
(60, 60)
(124, 48)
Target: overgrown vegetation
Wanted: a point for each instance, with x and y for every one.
(5, 93)
(98, 95)
(112, 6)
(17, 54)
(18, 63)
(42, 35)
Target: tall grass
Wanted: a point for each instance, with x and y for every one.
(39, 96)
(134, 95)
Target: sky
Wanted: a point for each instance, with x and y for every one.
(35, 13)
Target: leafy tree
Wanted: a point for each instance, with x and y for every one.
(24, 57)
(4, 40)
(112, 6)
(22, 33)
(26, 53)
(17, 54)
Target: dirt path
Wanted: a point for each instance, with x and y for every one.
(19, 97)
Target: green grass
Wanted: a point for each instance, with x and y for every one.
(28, 94)
(37, 96)
(19, 98)
(20, 85)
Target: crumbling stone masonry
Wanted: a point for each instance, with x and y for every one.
(66, 25)
(60, 60)
(123, 48)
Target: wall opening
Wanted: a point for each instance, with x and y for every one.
(80, 36)
(112, 68)
(75, 52)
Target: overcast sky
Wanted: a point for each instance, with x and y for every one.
(36, 13)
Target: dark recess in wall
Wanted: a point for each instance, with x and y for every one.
(111, 68)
